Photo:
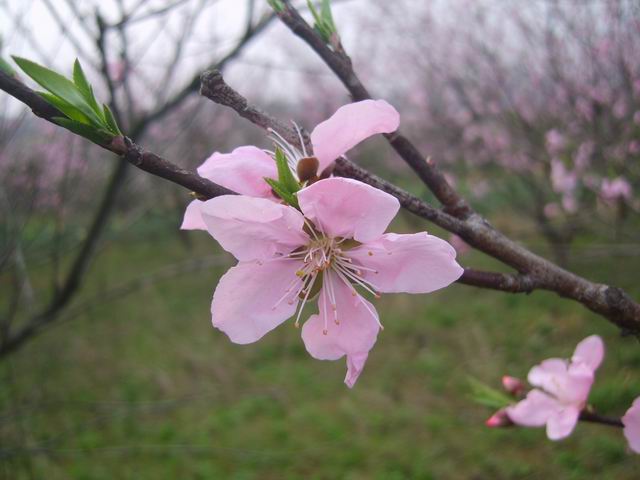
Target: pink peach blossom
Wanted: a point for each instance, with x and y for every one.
(333, 244)
(631, 422)
(563, 389)
(617, 189)
(244, 169)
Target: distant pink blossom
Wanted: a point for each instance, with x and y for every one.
(569, 203)
(555, 141)
(562, 180)
(563, 389)
(631, 422)
(617, 189)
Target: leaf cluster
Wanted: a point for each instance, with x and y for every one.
(83, 115)
(324, 24)
(286, 186)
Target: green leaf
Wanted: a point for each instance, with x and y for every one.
(488, 396)
(85, 89)
(111, 120)
(59, 86)
(316, 16)
(282, 192)
(327, 16)
(96, 135)
(69, 110)
(285, 176)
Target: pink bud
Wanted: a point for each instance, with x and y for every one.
(499, 419)
(513, 385)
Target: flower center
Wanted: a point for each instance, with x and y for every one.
(325, 262)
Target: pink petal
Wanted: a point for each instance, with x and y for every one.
(355, 365)
(631, 421)
(534, 410)
(569, 383)
(242, 171)
(590, 351)
(416, 263)
(547, 374)
(342, 207)
(247, 301)
(192, 218)
(562, 423)
(356, 331)
(253, 228)
(350, 125)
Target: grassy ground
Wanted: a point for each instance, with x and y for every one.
(141, 386)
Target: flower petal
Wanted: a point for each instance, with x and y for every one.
(248, 301)
(562, 423)
(569, 383)
(631, 421)
(546, 374)
(192, 217)
(355, 365)
(534, 410)
(253, 228)
(417, 263)
(358, 325)
(342, 207)
(242, 171)
(350, 125)
(589, 351)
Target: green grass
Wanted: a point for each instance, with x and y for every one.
(143, 387)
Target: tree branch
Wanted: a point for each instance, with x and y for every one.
(535, 272)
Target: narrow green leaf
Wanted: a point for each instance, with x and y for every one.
(316, 16)
(59, 86)
(96, 135)
(285, 176)
(327, 16)
(282, 192)
(111, 120)
(85, 89)
(69, 110)
(488, 396)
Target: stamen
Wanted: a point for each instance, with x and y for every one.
(304, 300)
(299, 132)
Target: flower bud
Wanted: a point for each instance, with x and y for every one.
(513, 385)
(307, 168)
(499, 419)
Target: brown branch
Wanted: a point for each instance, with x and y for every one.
(592, 417)
(535, 272)
(340, 63)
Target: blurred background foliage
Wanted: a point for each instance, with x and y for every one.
(532, 109)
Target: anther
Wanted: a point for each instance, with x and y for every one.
(325, 331)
